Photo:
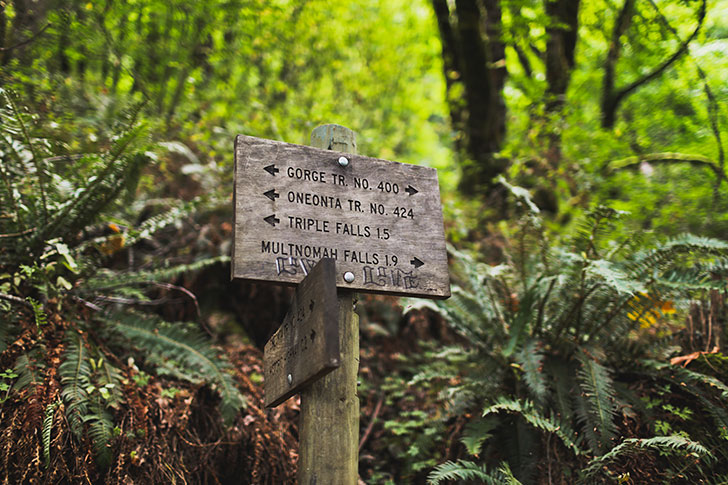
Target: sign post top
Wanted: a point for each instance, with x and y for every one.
(380, 220)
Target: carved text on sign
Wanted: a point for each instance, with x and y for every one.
(380, 220)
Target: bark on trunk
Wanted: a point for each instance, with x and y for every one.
(474, 55)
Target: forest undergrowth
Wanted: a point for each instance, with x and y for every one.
(584, 341)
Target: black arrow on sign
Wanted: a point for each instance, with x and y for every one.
(411, 190)
(271, 194)
(271, 169)
(416, 263)
(272, 220)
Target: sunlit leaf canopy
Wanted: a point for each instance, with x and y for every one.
(276, 69)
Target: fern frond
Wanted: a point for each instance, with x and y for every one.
(703, 245)
(664, 256)
(40, 316)
(696, 278)
(563, 385)
(531, 358)
(86, 388)
(590, 229)
(674, 445)
(519, 324)
(102, 188)
(467, 470)
(75, 373)
(465, 315)
(693, 383)
(598, 391)
(108, 279)
(612, 275)
(100, 430)
(19, 129)
(155, 223)
(535, 419)
(683, 375)
(476, 433)
(188, 349)
(28, 367)
(481, 280)
(50, 411)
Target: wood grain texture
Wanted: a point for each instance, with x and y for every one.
(329, 422)
(380, 220)
(306, 345)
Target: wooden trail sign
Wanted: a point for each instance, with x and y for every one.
(380, 220)
(306, 346)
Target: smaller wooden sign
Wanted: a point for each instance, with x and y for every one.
(306, 346)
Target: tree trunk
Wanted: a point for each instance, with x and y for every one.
(474, 56)
(560, 47)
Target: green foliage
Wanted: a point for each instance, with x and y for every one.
(183, 351)
(467, 470)
(6, 378)
(47, 430)
(75, 376)
(600, 409)
(531, 416)
(28, 368)
(38, 313)
(566, 326)
(53, 262)
(106, 106)
(677, 446)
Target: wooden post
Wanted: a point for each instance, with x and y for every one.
(329, 423)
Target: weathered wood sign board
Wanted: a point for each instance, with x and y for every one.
(306, 346)
(380, 220)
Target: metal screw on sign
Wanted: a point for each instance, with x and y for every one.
(343, 161)
(349, 277)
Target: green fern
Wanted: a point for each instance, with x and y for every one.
(100, 429)
(150, 226)
(467, 470)
(476, 433)
(186, 349)
(696, 384)
(663, 258)
(612, 275)
(102, 188)
(38, 313)
(683, 375)
(18, 146)
(563, 382)
(590, 229)
(534, 418)
(519, 326)
(28, 367)
(107, 279)
(75, 374)
(598, 393)
(50, 412)
(531, 360)
(673, 445)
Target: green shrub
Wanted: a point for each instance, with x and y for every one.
(62, 301)
(561, 341)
